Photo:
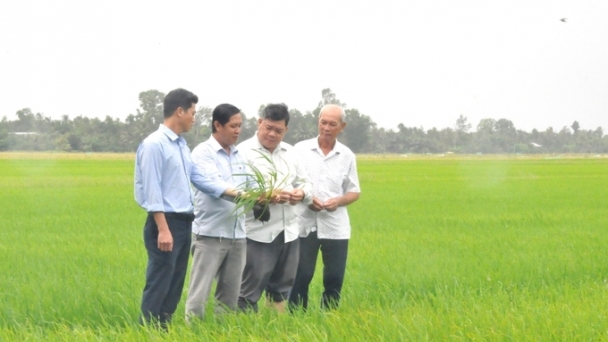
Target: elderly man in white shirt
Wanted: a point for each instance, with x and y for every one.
(325, 224)
(273, 246)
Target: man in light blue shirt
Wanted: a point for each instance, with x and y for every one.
(219, 244)
(163, 173)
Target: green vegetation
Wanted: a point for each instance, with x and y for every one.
(36, 132)
(450, 249)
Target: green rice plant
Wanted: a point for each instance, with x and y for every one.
(262, 188)
(458, 249)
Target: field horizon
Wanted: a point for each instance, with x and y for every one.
(360, 156)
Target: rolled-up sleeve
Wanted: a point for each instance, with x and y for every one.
(205, 175)
(303, 182)
(148, 176)
(352, 181)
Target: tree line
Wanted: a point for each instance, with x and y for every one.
(36, 132)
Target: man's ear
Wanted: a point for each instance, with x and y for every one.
(260, 122)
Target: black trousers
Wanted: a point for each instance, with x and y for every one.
(166, 271)
(333, 253)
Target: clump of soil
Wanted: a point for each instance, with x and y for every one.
(261, 213)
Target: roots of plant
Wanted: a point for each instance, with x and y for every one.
(261, 213)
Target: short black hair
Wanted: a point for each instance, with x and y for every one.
(222, 114)
(276, 112)
(178, 98)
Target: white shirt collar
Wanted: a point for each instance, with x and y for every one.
(314, 144)
(216, 145)
(259, 145)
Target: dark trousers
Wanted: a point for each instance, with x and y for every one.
(333, 253)
(166, 271)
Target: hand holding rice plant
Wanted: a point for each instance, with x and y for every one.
(264, 188)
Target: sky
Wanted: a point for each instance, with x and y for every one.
(541, 63)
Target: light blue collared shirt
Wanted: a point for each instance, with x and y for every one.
(164, 171)
(217, 217)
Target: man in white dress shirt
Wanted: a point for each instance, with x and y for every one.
(218, 240)
(324, 224)
(273, 246)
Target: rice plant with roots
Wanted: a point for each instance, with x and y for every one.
(262, 188)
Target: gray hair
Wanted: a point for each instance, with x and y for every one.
(342, 113)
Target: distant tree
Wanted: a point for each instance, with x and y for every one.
(505, 138)
(42, 124)
(4, 141)
(261, 111)
(75, 142)
(151, 103)
(484, 137)
(383, 140)
(461, 134)
(25, 121)
(575, 127)
(564, 140)
(549, 140)
(128, 138)
(62, 126)
(201, 130)
(150, 115)
(62, 143)
(462, 124)
(357, 130)
(599, 132)
(301, 127)
(249, 127)
(361, 134)
(486, 126)
(329, 97)
(105, 136)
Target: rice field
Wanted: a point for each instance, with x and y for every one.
(443, 249)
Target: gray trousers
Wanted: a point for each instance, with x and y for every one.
(215, 257)
(270, 267)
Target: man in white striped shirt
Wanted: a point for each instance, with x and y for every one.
(273, 246)
(325, 225)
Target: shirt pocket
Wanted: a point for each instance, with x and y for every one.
(173, 159)
(238, 176)
(333, 180)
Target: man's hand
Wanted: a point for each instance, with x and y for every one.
(276, 198)
(331, 204)
(316, 205)
(284, 197)
(296, 196)
(165, 240)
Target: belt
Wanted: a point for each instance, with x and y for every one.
(186, 217)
